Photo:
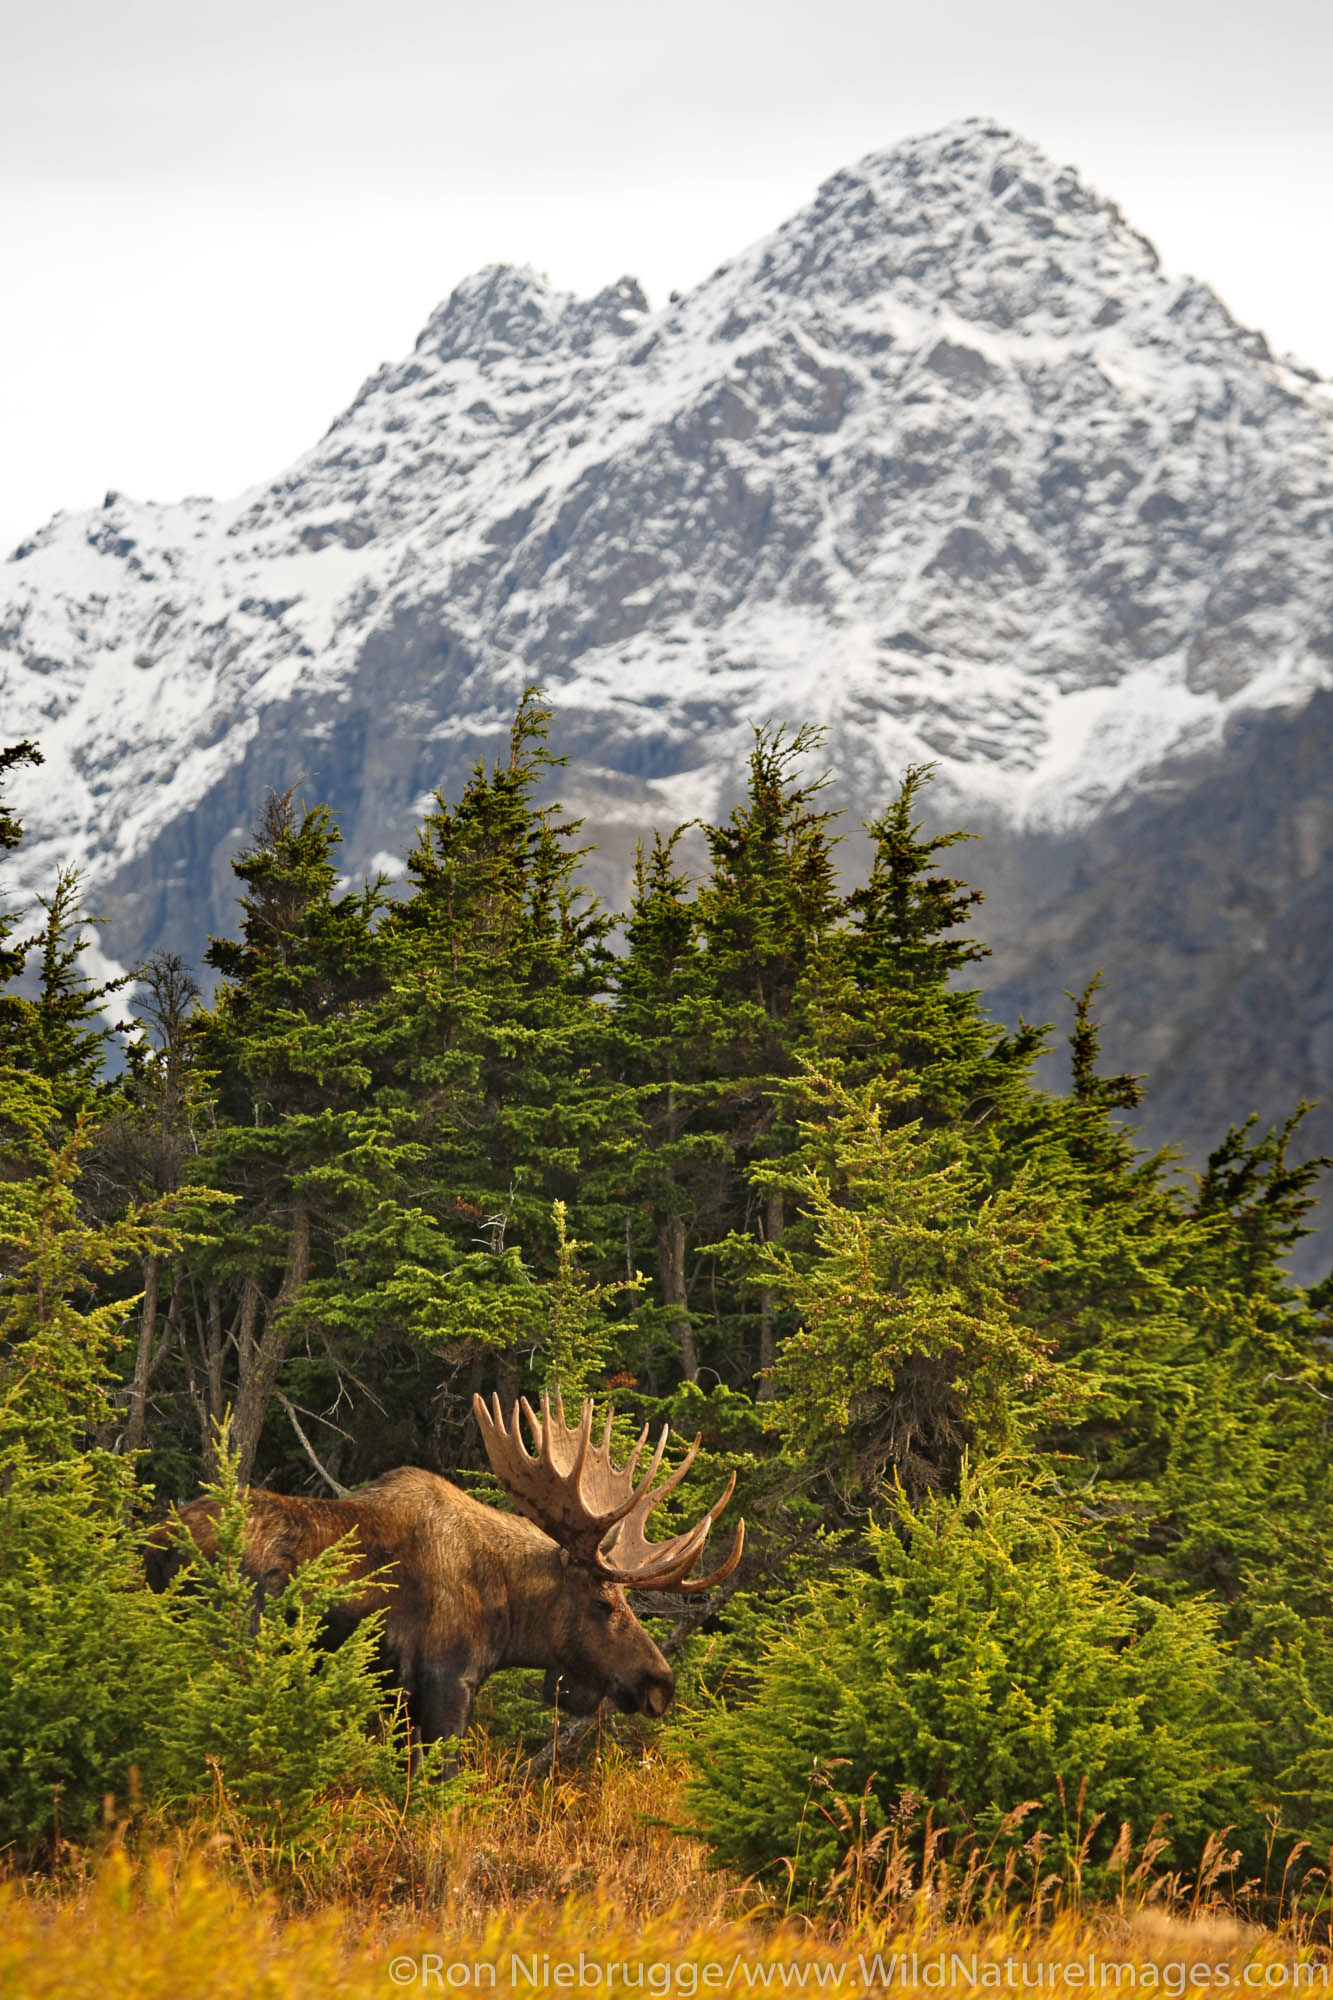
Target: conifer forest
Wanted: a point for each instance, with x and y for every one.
(1030, 1427)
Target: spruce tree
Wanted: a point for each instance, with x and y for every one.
(671, 1031)
(910, 1346)
(60, 1032)
(65, 1027)
(901, 1010)
(13, 957)
(500, 968)
(768, 913)
(300, 1140)
(146, 1147)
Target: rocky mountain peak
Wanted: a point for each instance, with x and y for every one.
(971, 217)
(946, 461)
(501, 310)
(506, 312)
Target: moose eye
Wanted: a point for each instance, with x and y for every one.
(602, 1607)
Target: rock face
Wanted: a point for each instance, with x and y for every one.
(1205, 898)
(946, 464)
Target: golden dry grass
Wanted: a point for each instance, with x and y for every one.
(608, 1833)
(580, 1887)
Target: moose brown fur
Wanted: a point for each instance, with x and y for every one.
(466, 1589)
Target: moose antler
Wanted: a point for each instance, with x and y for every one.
(593, 1508)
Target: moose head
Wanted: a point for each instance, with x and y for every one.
(596, 1513)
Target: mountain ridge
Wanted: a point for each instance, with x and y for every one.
(946, 463)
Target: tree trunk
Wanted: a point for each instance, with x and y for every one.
(671, 1258)
(136, 1420)
(774, 1221)
(261, 1360)
(216, 1401)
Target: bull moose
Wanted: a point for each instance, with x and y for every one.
(466, 1589)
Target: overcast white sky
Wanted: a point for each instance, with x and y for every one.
(216, 220)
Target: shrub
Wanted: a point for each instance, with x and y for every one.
(1287, 1692)
(99, 1677)
(86, 1656)
(983, 1663)
(260, 1706)
(85, 1653)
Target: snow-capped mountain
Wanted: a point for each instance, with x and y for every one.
(947, 463)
